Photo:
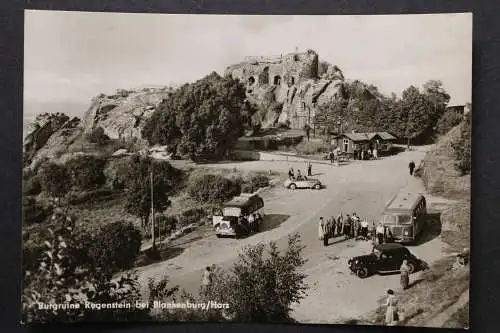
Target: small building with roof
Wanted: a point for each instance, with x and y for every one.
(354, 142)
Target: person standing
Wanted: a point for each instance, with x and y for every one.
(309, 169)
(251, 222)
(405, 275)
(206, 281)
(321, 231)
(375, 153)
(391, 313)
(364, 229)
(298, 173)
(411, 166)
(363, 154)
(291, 174)
(380, 233)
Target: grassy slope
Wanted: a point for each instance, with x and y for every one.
(440, 286)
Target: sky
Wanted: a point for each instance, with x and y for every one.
(69, 57)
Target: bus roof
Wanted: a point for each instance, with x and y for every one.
(404, 201)
(244, 201)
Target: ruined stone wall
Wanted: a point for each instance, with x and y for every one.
(293, 81)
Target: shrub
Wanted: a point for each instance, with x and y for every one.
(165, 224)
(462, 147)
(54, 179)
(213, 188)
(32, 186)
(449, 120)
(312, 147)
(98, 137)
(80, 197)
(116, 246)
(263, 286)
(33, 212)
(259, 180)
(193, 215)
(247, 187)
(87, 172)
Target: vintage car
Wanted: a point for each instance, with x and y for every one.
(232, 219)
(385, 258)
(302, 182)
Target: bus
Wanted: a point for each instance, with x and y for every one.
(226, 221)
(405, 215)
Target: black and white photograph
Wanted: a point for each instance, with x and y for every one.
(296, 169)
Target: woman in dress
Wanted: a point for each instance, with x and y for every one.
(391, 314)
(405, 275)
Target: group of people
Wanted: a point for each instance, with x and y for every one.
(292, 175)
(365, 154)
(350, 226)
(383, 234)
(251, 222)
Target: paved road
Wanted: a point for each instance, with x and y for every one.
(362, 186)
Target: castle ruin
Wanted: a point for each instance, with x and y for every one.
(290, 81)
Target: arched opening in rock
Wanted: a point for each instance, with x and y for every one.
(293, 80)
(277, 80)
(264, 76)
(251, 80)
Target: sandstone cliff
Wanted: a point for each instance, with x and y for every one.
(124, 114)
(287, 88)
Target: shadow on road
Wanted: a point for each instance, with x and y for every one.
(432, 228)
(163, 253)
(272, 221)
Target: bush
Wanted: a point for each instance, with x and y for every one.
(32, 186)
(77, 198)
(98, 137)
(33, 212)
(263, 286)
(116, 246)
(87, 172)
(462, 147)
(449, 120)
(259, 180)
(213, 188)
(247, 187)
(312, 147)
(193, 215)
(165, 224)
(54, 179)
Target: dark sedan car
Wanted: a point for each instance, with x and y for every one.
(385, 258)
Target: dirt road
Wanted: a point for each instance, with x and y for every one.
(334, 295)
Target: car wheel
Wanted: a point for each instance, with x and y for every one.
(362, 272)
(411, 268)
(317, 187)
(293, 186)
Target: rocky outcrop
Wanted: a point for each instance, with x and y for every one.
(123, 115)
(57, 143)
(287, 88)
(42, 129)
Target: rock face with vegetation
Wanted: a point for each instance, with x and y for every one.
(124, 114)
(288, 88)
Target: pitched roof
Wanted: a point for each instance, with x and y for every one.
(367, 136)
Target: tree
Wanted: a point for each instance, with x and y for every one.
(263, 285)
(449, 120)
(54, 179)
(87, 172)
(213, 188)
(462, 146)
(116, 246)
(62, 277)
(201, 119)
(138, 186)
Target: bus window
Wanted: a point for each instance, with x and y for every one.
(390, 219)
(404, 219)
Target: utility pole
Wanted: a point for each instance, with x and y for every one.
(153, 240)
